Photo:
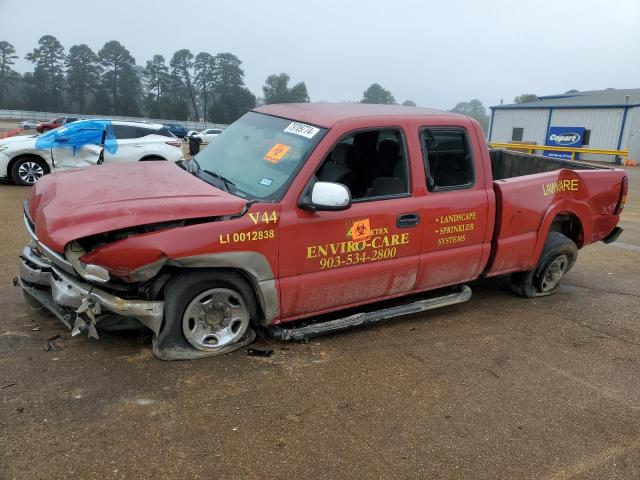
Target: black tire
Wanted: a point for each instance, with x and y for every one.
(558, 257)
(180, 292)
(152, 159)
(27, 170)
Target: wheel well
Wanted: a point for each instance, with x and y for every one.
(150, 158)
(168, 276)
(13, 161)
(569, 225)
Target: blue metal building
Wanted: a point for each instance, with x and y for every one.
(601, 119)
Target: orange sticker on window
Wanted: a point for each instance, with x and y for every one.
(360, 230)
(276, 153)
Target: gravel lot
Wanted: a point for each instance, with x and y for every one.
(498, 387)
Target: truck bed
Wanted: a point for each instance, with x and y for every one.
(509, 164)
(533, 191)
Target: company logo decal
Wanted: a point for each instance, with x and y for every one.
(359, 230)
(565, 139)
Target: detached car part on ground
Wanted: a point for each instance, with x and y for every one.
(24, 159)
(306, 212)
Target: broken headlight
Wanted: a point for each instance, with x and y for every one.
(91, 273)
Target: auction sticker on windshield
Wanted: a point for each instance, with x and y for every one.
(276, 153)
(302, 129)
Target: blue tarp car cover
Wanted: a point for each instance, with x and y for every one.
(77, 134)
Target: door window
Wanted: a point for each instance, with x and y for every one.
(372, 164)
(448, 159)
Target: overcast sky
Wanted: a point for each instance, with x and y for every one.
(434, 53)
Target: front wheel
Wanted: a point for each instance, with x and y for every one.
(207, 313)
(558, 257)
(28, 170)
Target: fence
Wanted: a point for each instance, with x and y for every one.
(19, 115)
(623, 154)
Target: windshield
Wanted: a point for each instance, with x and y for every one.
(259, 154)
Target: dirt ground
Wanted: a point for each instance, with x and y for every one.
(496, 388)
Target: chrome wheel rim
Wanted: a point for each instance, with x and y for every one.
(30, 172)
(554, 272)
(215, 318)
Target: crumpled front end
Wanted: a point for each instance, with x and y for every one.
(49, 280)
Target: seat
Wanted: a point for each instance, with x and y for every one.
(386, 159)
(336, 167)
(387, 172)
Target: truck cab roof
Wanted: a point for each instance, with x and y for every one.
(328, 114)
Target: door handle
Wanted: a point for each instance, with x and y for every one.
(407, 220)
(137, 146)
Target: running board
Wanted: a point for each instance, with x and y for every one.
(331, 326)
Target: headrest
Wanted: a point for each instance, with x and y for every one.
(341, 153)
(388, 148)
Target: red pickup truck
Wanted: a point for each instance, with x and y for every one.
(302, 211)
(43, 127)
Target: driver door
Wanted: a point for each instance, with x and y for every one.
(336, 259)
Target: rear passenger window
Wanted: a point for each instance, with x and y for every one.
(448, 159)
(124, 131)
(163, 131)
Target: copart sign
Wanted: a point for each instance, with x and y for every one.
(564, 137)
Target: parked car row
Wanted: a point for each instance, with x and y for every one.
(68, 142)
(205, 135)
(208, 134)
(178, 130)
(24, 159)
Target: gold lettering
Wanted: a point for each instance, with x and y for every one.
(560, 186)
(457, 217)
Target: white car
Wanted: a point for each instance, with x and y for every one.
(208, 134)
(27, 125)
(25, 159)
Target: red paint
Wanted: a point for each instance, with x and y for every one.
(82, 202)
(50, 125)
(511, 218)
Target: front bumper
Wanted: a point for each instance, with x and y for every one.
(63, 295)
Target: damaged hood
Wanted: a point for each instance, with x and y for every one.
(82, 202)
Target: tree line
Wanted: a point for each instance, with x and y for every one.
(474, 108)
(201, 86)
(109, 82)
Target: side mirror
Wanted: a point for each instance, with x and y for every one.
(329, 196)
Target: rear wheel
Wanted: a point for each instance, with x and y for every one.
(558, 257)
(207, 313)
(152, 159)
(27, 170)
